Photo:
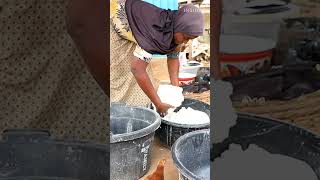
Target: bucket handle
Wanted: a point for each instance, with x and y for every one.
(25, 135)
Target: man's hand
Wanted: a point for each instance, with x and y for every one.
(163, 108)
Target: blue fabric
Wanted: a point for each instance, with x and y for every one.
(165, 4)
(173, 55)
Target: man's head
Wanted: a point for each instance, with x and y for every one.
(188, 24)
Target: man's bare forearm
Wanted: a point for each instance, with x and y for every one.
(86, 23)
(138, 69)
(173, 68)
(216, 26)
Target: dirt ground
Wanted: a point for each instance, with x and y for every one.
(160, 152)
(160, 69)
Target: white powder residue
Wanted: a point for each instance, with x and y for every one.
(256, 163)
(171, 95)
(187, 116)
(224, 115)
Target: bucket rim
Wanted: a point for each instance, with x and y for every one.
(291, 125)
(182, 169)
(185, 125)
(246, 57)
(117, 138)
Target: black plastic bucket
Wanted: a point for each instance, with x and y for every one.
(33, 154)
(169, 132)
(133, 130)
(191, 155)
(275, 137)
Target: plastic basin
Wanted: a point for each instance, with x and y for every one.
(258, 25)
(191, 155)
(30, 154)
(169, 132)
(276, 137)
(186, 77)
(131, 139)
(191, 67)
(245, 54)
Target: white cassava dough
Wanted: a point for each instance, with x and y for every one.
(171, 95)
(223, 113)
(256, 163)
(187, 116)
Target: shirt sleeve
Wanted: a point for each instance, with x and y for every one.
(173, 55)
(142, 54)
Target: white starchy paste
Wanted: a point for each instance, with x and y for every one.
(171, 95)
(255, 163)
(224, 115)
(187, 116)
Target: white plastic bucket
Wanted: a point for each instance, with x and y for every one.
(258, 25)
(245, 54)
(191, 67)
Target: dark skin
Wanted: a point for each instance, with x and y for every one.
(173, 68)
(216, 6)
(86, 24)
(138, 68)
(180, 38)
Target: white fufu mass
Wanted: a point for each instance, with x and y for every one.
(224, 115)
(171, 95)
(255, 163)
(187, 116)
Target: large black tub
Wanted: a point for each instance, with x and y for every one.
(34, 155)
(191, 155)
(169, 132)
(276, 137)
(131, 141)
